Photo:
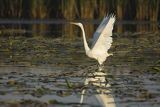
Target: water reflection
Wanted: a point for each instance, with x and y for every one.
(60, 28)
(104, 92)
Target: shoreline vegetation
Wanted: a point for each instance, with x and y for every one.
(80, 10)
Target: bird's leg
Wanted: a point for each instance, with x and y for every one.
(106, 81)
(101, 67)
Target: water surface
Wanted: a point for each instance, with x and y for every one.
(45, 71)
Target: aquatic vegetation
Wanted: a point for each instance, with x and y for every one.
(156, 66)
(156, 69)
(49, 71)
(41, 91)
(12, 82)
(52, 101)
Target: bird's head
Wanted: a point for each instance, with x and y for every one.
(78, 24)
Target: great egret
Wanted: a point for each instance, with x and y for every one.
(102, 39)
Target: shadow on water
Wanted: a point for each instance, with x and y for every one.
(42, 71)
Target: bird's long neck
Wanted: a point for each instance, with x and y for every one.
(84, 40)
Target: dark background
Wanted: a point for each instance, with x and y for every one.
(80, 9)
(131, 15)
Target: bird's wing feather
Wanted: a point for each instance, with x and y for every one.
(99, 30)
(102, 37)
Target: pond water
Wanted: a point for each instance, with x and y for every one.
(46, 71)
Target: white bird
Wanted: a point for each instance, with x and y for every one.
(102, 39)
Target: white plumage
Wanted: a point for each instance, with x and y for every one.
(102, 39)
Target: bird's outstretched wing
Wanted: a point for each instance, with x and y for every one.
(102, 37)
